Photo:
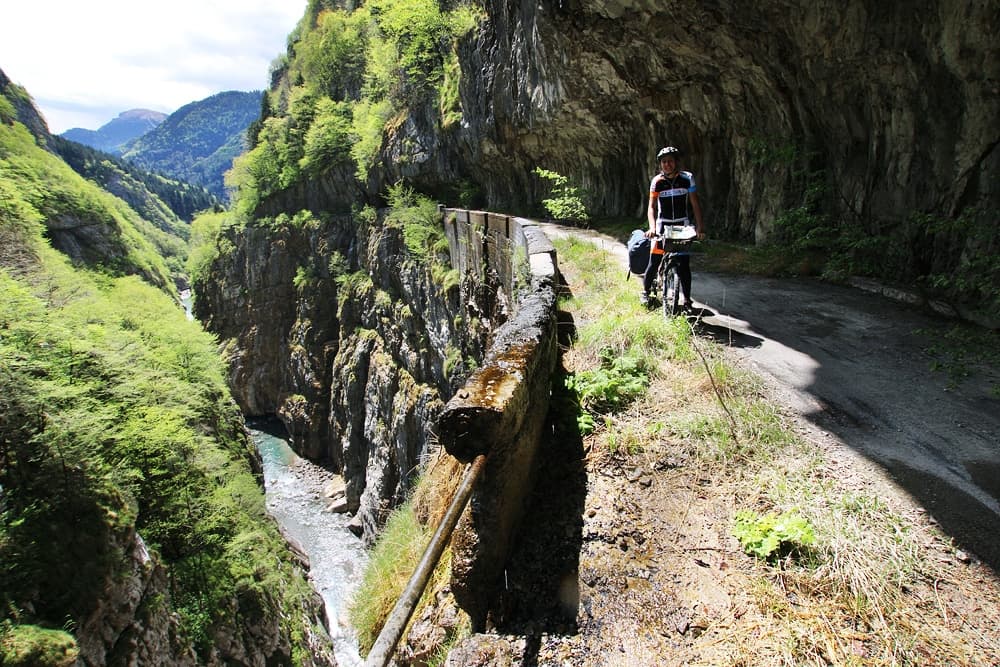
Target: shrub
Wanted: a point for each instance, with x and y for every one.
(771, 536)
(567, 200)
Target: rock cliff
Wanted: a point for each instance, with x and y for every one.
(358, 357)
(876, 122)
(896, 105)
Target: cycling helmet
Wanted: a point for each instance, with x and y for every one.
(669, 150)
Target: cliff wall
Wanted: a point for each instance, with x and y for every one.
(355, 342)
(897, 105)
(852, 123)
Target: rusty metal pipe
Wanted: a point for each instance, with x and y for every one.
(395, 624)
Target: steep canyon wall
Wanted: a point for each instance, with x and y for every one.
(355, 342)
(897, 105)
(875, 121)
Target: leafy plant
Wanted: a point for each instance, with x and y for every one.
(368, 121)
(117, 420)
(618, 381)
(305, 277)
(771, 536)
(328, 139)
(566, 202)
(421, 223)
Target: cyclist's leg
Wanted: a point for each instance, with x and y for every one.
(650, 275)
(684, 271)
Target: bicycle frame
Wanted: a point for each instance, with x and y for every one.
(667, 278)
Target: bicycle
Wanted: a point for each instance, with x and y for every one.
(674, 242)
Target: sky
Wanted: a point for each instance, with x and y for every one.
(84, 63)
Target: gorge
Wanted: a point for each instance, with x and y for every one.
(861, 135)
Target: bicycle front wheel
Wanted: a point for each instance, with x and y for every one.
(671, 291)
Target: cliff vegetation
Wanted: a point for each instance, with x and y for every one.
(132, 523)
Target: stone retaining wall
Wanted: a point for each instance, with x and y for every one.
(502, 408)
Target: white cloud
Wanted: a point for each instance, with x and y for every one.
(86, 62)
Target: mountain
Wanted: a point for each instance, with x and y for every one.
(182, 199)
(113, 136)
(197, 143)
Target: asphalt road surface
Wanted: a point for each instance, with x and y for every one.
(856, 365)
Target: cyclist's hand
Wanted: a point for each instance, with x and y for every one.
(701, 236)
(650, 234)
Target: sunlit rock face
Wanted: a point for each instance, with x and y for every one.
(894, 104)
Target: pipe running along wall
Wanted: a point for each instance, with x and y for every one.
(496, 419)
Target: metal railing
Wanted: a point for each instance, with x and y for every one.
(395, 624)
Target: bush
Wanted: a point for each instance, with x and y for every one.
(567, 200)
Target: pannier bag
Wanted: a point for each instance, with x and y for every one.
(638, 252)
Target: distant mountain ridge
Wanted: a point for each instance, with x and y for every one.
(197, 143)
(112, 137)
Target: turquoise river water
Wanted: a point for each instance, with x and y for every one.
(294, 492)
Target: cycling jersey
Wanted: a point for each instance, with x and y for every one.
(672, 198)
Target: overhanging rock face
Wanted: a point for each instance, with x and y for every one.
(500, 412)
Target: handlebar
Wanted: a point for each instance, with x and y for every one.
(675, 238)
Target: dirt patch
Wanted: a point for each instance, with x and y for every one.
(627, 555)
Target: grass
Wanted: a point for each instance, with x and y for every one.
(395, 556)
(32, 646)
(866, 592)
(393, 560)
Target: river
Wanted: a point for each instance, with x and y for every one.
(294, 492)
(293, 488)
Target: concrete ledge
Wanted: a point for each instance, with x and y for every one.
(501, 411)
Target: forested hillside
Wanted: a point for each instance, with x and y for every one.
(147, 192)
(132, 524)
(197, 143)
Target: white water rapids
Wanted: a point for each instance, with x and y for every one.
(294, 492)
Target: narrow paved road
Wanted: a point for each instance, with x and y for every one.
(855, 364)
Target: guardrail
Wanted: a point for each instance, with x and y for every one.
(495, 421)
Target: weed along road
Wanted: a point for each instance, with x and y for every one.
(857, 366)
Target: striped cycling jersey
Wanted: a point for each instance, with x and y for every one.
(672, 197)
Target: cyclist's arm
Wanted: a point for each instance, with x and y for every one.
(651, 213)
(699, 225)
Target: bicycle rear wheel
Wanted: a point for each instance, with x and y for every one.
(671, 291)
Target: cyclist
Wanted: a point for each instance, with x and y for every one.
(671, 195)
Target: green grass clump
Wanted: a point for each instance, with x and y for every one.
(32, 646)
(392, 562)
